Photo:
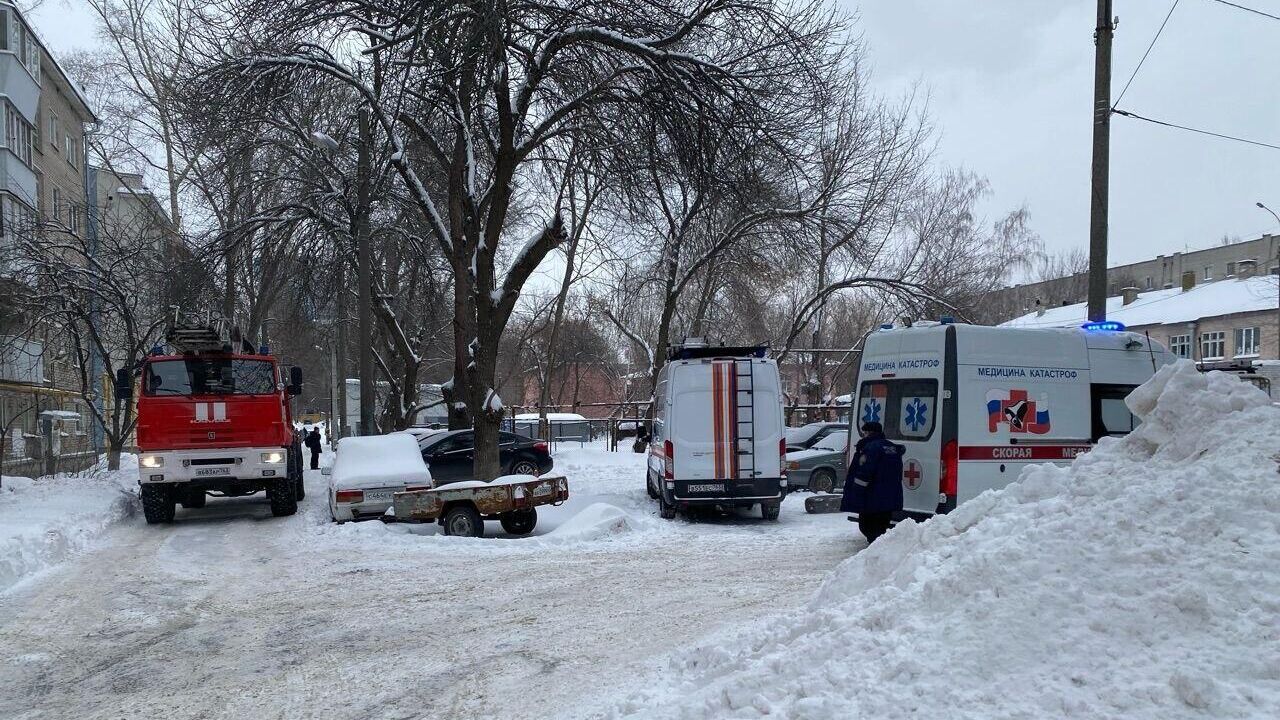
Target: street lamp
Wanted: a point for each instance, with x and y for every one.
(1277, 217)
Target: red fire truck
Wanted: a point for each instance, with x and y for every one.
(214, 419)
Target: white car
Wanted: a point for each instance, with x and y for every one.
(368, 471)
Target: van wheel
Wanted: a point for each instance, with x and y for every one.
(822, 481)
(648, 487)
(463, 521)
(666, 510)
(770, 510)
(157, 504)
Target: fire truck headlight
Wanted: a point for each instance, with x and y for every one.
(151, 461)
(272, 457)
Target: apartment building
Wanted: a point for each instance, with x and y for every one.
(1231, 323)
(43, 191)
(1261, 254)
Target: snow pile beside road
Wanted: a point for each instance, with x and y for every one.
(1141, 582)
(42, 522)
(594, 522)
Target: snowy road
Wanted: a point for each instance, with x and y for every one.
(233, 613)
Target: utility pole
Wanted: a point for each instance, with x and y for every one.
(340, 352)
(1101, 163)
(368, 387)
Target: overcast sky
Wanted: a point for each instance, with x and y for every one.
(1010, 86)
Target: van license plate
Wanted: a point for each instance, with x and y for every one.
(707, 487)
(212, 471)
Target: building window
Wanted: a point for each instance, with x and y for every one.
(1148, 283)
(70, 146)
(1231, 269)
(1180, 345)
(1213, 345)
(1246, 341)
(1208, 272)
(17, 133)
(73, 217)
(53, 128)
(55, 210)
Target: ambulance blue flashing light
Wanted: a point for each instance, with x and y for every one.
(946, 320)
(886, 326)
(264, 350)
(1103, 326)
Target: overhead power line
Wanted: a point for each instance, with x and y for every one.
(1145, 54)
(1136, 116)
(1249, 9)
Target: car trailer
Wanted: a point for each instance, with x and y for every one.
(462, 507)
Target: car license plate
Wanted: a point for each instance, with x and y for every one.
(379, 496)
(212, 471)
(706, 487)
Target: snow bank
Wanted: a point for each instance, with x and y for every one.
(594, 522)
(1141, 582)
(43, 522)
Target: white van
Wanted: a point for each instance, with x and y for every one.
(974, 405)
(717, 438)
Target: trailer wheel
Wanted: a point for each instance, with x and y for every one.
(519, 522)
(666, 510)
(194, 499)
(822, 481)
(280, 493)
(157, 504)
(770, 510)
(464, 521)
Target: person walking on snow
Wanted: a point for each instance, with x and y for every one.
(873, 488)
(313, 443)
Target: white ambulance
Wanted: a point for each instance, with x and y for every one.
(717, 438)
(974, 405)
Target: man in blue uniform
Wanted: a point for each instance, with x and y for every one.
(873, 486)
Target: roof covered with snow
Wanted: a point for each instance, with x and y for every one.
(1163, 307)
(553, 417)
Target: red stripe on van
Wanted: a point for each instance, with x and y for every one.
(731, 406)
(1015, 453)
(717, 429)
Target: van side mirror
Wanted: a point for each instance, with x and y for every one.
(295, 380)
(124, 385)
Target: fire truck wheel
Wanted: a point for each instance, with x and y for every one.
(770, 510)
(822, 481)
(666, 510)
(280, 493)
(157, 504)
(519, 522)
(193, 499)
(464, 520)
(295, 472)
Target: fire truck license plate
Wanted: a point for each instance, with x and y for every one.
(707, 487)
(212, 471)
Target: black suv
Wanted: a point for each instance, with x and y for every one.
(450, 455)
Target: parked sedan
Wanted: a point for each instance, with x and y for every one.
(803, 438)
(368, 471)
(820, 468)
(451, 455)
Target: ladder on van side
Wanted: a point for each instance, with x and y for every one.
(744, 433)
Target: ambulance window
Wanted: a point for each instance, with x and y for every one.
(906, 408)
(1110, 415)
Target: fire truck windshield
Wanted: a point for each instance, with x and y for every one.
(210, 377)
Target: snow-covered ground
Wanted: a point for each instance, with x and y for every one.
(1141, 582)
(44, 522)
(230, 612)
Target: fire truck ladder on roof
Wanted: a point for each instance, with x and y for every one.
(196, 335)
(745, 431)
